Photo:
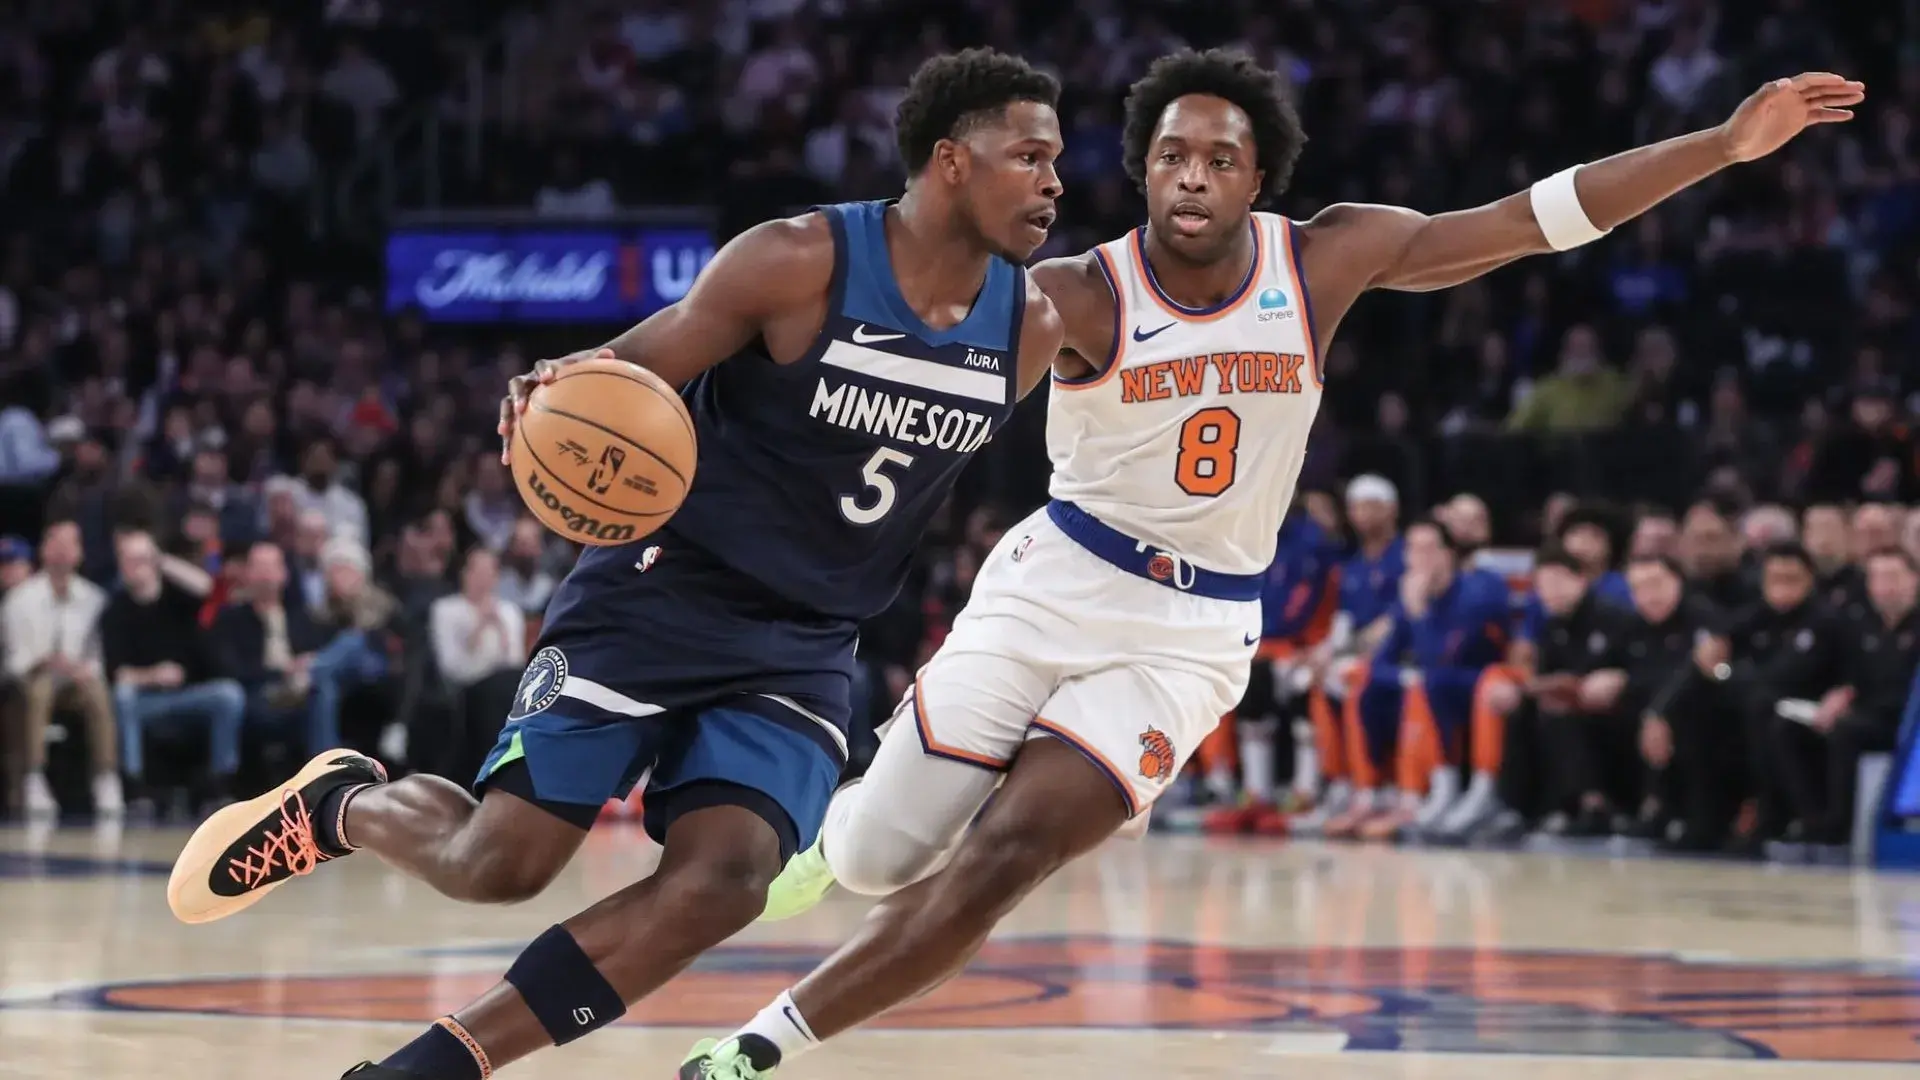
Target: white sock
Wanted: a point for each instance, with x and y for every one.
(782, 1025)
(1256, 759)
(1306, 760)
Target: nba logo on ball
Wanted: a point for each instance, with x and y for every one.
(540, 686)
(1273, 305)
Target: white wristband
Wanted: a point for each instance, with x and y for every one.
(1556, 206)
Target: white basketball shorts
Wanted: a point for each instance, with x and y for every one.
(1058, 642)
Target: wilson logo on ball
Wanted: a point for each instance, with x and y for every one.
(577, 522)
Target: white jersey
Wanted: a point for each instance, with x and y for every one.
(1193, 434)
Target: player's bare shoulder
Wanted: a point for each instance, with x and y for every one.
(1342, 249)
(1085, 303)
(782, 270)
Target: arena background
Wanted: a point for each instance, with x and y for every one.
(264, 270)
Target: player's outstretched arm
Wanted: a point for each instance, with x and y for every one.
(775, 269)
(1403, 249)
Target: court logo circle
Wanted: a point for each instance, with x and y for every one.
(1472, 1000)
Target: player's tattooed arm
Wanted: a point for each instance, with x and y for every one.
(1080, 294)
(1040, 336)
(770, 281)
(1389, 247)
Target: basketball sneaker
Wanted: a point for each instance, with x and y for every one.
(245, 851)
(711, 1059)
(802, 884)
(367, 1070)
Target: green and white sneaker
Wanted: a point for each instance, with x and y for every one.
(711, 1059)
(802, 884)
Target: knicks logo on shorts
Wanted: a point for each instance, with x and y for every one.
(540, 686)
(1156, 755)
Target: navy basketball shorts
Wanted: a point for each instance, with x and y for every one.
(659, 666)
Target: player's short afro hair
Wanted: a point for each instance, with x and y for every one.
(953, 92)
(1222, 73)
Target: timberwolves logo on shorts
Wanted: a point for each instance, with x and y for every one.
(540, 686)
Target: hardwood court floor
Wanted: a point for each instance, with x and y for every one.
(1163, 958)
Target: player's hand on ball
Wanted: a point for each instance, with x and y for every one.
(520, 390)
(1783, 108)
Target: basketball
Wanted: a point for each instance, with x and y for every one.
(604, 454)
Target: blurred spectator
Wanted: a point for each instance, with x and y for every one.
(268, 645)
(321, 490)
(480, 647)
(1819, 753)
(1870, 457)
(163, 670)
(50, 627)
(362, 84)
(525, 581)
(1583, 394)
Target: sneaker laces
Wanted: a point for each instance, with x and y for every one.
(288, 844)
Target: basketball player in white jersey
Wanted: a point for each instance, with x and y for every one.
(1108, 633)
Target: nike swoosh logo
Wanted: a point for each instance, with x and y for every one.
(1139, 336)
(1253, 639)
(794, 1020)
(863, 336)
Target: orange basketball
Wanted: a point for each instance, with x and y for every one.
(604, 454)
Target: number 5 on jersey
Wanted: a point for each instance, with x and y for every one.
(884, 491)
(1209, 451)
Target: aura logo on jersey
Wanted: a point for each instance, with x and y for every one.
(1473, 1000)
(519, 273)
(577, 522)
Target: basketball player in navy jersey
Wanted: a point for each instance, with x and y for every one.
(1207, 135)
(840, 368)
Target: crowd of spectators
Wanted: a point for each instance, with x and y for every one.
(206, 423)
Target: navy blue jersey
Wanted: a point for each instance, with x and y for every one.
(817, 478)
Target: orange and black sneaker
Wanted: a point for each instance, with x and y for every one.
(245, 851)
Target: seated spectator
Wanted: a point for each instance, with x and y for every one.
(50, 627)
(1819, 750)
(1655, 535)
(1709, 549)
(163, 669)
(1583, 394)
(525, 581)
(1569, 759)
(479, 643)
(1823, 529)
(1714, 726)
(1448, 625)
(359, 621)
(1369, 581)
(269, 646)
(1296, 613)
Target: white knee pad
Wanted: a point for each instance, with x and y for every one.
(871, 854)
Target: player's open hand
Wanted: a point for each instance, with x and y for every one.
(1783, 108)
(520, 390)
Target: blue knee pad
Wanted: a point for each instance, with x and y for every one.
(563, 989)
